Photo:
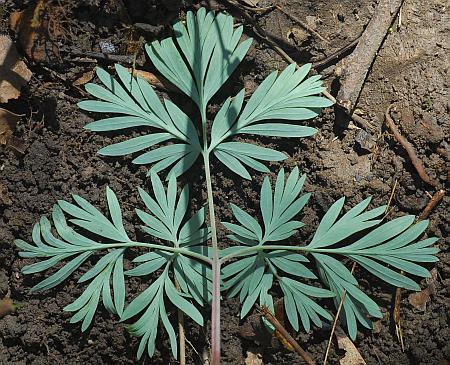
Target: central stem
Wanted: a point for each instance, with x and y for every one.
(215, 305)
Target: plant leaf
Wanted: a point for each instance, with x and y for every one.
(209, 44)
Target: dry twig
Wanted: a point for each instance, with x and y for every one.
(103, 56)
(255, 9)
(301, 23)
(396, 316)
(437, 197)
(334, 56)
(336, 318)
(391, 196)
(182, 336)
(279, 327)
(417, 163)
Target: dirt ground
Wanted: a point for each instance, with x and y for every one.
(411, 70)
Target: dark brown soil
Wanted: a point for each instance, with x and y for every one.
(412, 69)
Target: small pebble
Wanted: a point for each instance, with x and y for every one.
(365, 140)
(107, 47)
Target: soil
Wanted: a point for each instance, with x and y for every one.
(411, 69)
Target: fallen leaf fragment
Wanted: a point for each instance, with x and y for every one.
(13, 71)
(432, 281)
(84, 79)
(37, 34)
(157, 81)
(298, 35)
(8, 121)
(377, 326)
(6, 307)
(254, 357)
(352, 355)
(420, 299)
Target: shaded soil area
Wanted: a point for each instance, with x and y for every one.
(411, 69)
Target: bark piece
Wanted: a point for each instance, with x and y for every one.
(354, 68)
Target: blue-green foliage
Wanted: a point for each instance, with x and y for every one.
(198, 60)
(390, 244)
(163, 219)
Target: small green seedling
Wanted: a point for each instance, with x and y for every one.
(262, 253)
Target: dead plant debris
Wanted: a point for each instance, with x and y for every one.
(285, 334)
(38, 28)
(254, 357)
(437, 197)
(353, 69)
(13, 72)
(8, 121)
(420, 299)
(352, 355)
(84, 78)
(417, 163)
(6, 307)
(157, 81)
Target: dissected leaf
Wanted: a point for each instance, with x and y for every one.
(137, 101)
(278, 209)
(390, 246)
(202, 55)
(284, 96)
(205, 40)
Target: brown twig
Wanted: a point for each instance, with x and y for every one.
(104, 56)
(396, 316)
(278, 326)
(301, 23)
(334, 56)
(409, 149)
(182, 337)
(437, 197)
(341, 304)
(355, 117)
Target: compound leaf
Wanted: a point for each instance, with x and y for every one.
(137, 101)
(209, 44)
(286, 96)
